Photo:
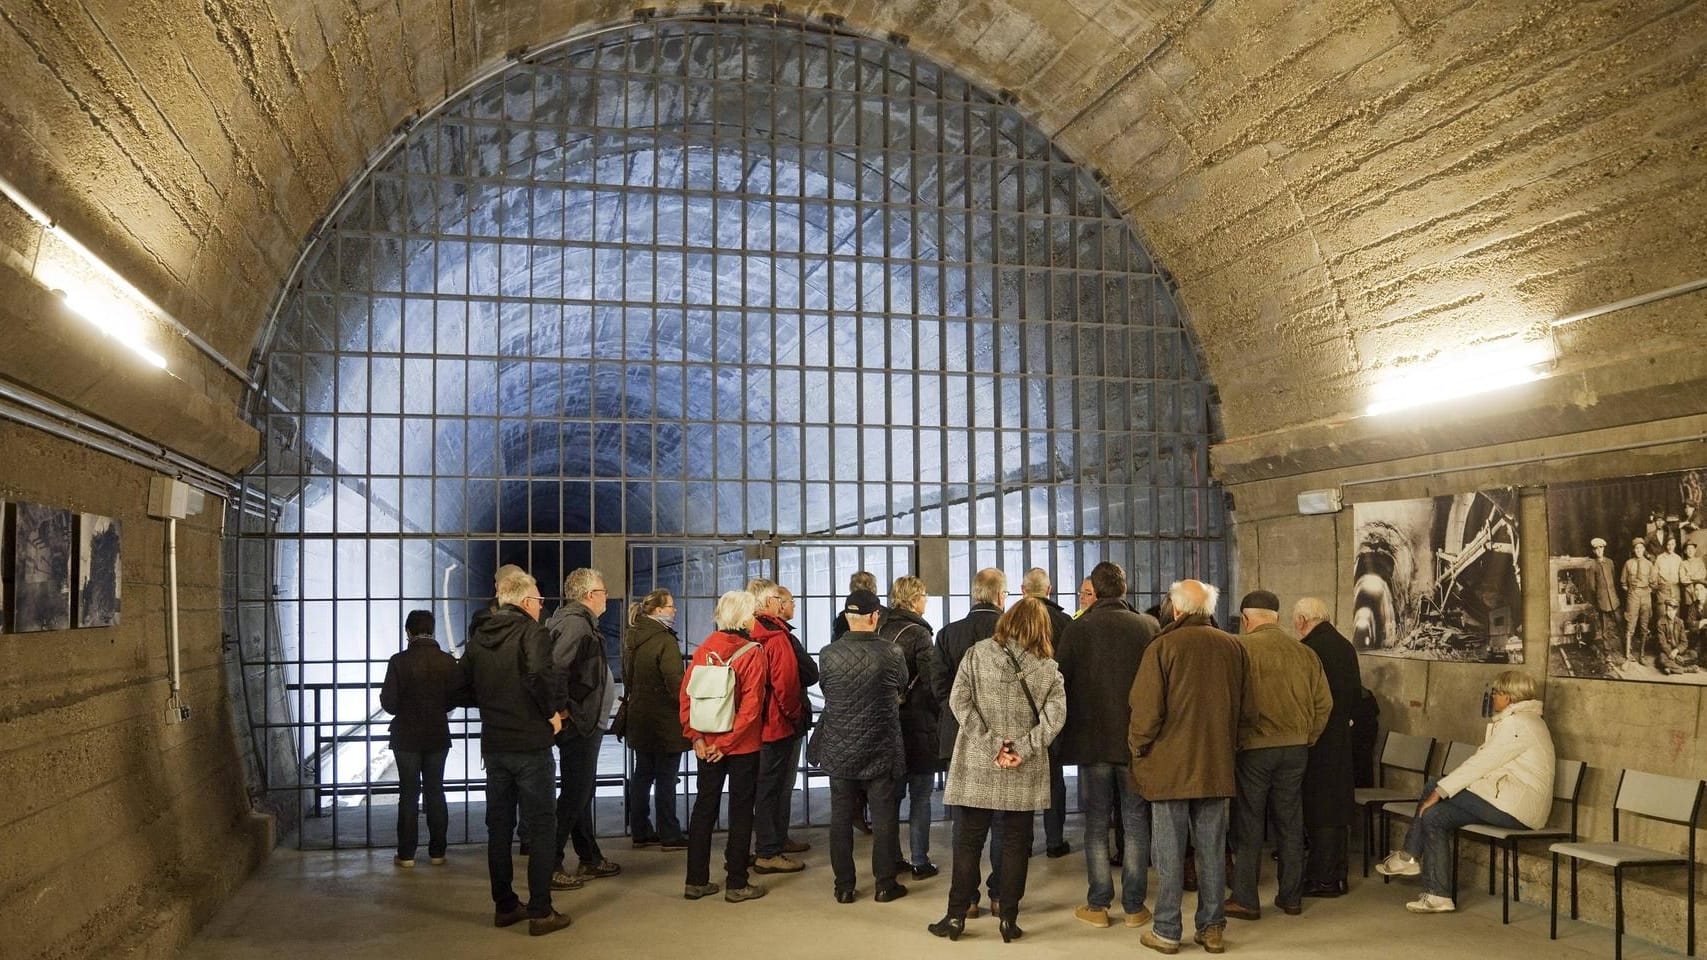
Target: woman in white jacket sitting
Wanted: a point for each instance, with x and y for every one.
(1508, 783)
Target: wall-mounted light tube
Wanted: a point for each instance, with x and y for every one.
(1450, 377)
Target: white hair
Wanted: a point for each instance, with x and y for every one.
(1311, 609)
(1193, 597)
(734, 610)
(516, 586)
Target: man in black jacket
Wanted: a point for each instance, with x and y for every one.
(588, 691)
(1037, 585)
(989, 596)
(507, 672)
(858, 743)
(422, 685)
(1099, 656)
(1328, 775)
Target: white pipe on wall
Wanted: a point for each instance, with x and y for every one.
(172, 578)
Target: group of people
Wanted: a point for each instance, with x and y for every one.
(1181, 733)
(1665, 599)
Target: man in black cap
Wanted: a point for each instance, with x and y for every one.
(858, 743)
(1292, 707)
(1602, 591)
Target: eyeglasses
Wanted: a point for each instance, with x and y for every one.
(540, 599)
(600, 590)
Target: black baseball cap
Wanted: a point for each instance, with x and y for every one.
(1260, 600)
(862, 602)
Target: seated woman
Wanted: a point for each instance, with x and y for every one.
(1507, 783)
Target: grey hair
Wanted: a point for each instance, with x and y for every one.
(758, 585)
(989, 585)
(1313, 609)
(1186, 603)
(1036, 583)
(1517, 685)
(581, 582)
(516, 586)
(503, 571)
(734, 610)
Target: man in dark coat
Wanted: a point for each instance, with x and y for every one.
(507, 672)
(1328, 778)
(588, 691)
(989, 596)
(858, 743)
(422, 685)
(1099, 655)
(1037, 585)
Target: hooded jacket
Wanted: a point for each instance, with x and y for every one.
(1513, 769)
(588, 690)
(746, 737)
(652, 677)
(507, 672)
(783, 714)
(920, 711)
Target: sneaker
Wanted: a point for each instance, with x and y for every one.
(403, 862)
(1209, 938)
(1140, 918)
(777, 864)
(751, 891)
(437, 861)
(795, 846)
(1095, 916)
(510, 917)
(561, 880)
(694, 891)
(1159, 943)
(677, 843)
(1399, 864)
(604, 868)
(924, 869)
(1429, 903)
(540, 926)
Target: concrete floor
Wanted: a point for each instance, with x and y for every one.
(356, 904)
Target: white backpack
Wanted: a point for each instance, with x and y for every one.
(711, 692)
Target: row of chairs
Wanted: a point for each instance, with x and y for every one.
(1654, 796)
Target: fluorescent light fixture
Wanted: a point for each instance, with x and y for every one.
(114, 318)
(1474, 371)
(1313, 502)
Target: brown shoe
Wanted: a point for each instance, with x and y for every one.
(1159, 944)
(1209, 938)
(777, 864)
(1095, 916)
(795, 846)
(1239, 911)
(1140, 918)
(540, 926)
(509, 918)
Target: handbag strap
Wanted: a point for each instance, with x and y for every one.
(1019, 674)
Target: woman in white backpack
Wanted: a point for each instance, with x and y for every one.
(722, 705)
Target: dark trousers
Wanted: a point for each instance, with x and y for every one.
(846, 797)
(524, 780)
(742, 773)
(1325, 861)
(779, 761)
(578, 768)
(653, 787)
(993, 883)
(1271, 787)
(970, 830)
(419, 770)
(1055, 818)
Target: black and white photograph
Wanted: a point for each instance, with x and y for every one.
(99, 573)
(1438, 579)
(1627, 569)
(41, 565)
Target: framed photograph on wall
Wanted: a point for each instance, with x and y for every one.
(99, 571)
(1627, 578)
(1437, 578)
(41, 568)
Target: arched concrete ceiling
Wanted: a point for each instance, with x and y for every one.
(1339, 187)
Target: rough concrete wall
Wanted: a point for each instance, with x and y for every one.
(122, 833)
(1610, 725)
(1340, 186)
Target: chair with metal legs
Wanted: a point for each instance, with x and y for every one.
(1567, 785)
(1402, 751)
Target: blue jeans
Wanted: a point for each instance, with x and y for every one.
(1271, 788)
(651, 788)
(918, 787)
(1101, 786)
(1204, 821)
(1055, 818)
(418, 770)
(522, 779)
(1430, 836)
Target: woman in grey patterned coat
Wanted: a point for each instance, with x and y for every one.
(1010, 704)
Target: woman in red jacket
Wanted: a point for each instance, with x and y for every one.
(733, 755)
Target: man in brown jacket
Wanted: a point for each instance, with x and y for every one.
(1292, 707)
(1189, 700)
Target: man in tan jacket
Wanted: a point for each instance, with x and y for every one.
(1292, 707)
(1191, 696)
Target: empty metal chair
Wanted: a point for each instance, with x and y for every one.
(1457, 752)
(1402, 751)
(1567, 784)
(1670, 799)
